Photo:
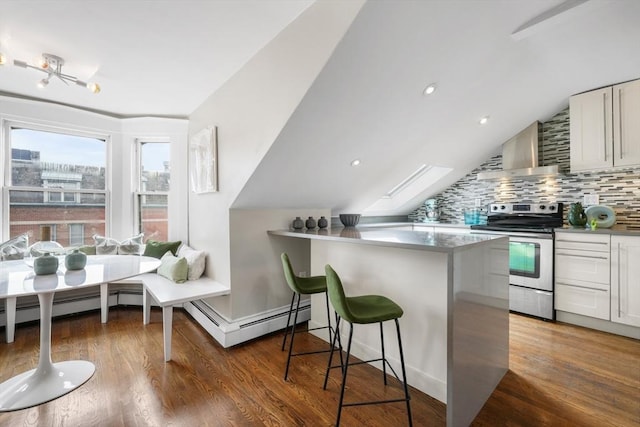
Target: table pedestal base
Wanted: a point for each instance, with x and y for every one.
(33, 388)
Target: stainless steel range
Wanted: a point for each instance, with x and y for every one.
(530, 229)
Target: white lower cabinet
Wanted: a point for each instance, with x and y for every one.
(625, 280)
(590, 302)
(582, 274)
(581, 267)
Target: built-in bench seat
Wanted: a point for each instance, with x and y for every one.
(167, 294)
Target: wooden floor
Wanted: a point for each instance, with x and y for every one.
(560, 375)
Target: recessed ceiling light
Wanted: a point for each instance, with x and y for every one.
(430, 89)
(355, 162)
(484, 120)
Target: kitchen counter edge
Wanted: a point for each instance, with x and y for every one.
(408, 239)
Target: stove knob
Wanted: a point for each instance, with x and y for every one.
(503, 207)
(542, 207)
(552, 207)
(494, 208)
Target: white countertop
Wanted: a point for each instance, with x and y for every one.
(435, 241)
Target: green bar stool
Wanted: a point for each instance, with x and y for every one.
(363, 309)
(302, 286)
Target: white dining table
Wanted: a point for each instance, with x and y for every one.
(50, 380)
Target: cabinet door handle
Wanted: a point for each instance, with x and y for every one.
(620, 121)
(604, 112)
(581, 256)
(582, 287)
(582, 243)
(619, 300)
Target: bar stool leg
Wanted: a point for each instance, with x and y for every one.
(293, 333)
(286, 330)
(333, 346)
(344, 374)
(404, 374)
(339, 343)
(326, 298)
(384, 359)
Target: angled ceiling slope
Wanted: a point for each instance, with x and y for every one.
(368, 101)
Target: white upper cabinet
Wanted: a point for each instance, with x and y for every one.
(626, 124)
(605, 127)
(590, 127)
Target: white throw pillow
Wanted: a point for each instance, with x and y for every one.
(105, 245)
(109, 246)
(131, 246)
(14, 248)
(195, 260)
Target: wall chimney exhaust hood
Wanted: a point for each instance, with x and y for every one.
(520, 158)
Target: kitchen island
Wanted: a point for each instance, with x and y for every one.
(454, 290)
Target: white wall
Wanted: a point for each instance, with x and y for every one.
(256, 268)
(121, 135)
(250, 110)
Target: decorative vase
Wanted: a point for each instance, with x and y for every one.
(298, 223)
(322, 222)
(432, 211)
(45, 264)
(76, 260)
(311, 223)
(576, 216)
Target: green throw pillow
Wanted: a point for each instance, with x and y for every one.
(87, 249)
(157, 249)
(173, 268)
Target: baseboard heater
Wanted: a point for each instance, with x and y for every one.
(69, 303)
(227, 332)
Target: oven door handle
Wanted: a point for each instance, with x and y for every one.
(541, 236)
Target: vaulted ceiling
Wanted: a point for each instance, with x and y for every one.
(515, 61)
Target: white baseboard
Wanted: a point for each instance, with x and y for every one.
(415, 377)
(227, 332)
(63, 307)
(599, 324)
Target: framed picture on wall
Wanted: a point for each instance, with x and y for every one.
(203, 160)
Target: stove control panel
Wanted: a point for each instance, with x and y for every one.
(525, 208)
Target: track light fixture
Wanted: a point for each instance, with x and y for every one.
(52, 65)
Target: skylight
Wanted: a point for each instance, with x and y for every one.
(413, 187)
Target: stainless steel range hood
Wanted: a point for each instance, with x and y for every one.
(520, 158)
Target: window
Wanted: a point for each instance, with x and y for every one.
(76, 234)
(153, 189)
(53, 230)
(56, 179)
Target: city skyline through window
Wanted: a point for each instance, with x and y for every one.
(58, 180)
(61, 180)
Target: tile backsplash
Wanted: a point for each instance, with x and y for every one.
(616, 188)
